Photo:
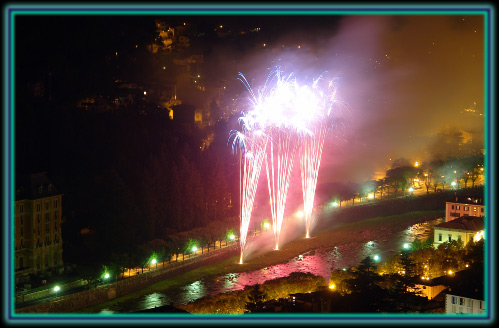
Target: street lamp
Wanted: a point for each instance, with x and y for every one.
(194, 249)
(406, 246)
(106, 276)
(411, 190)
(376, 258)
(56, 289)
(266, 225)
(153, 261)
(453, 184)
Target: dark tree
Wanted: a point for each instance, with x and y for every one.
(255, 298)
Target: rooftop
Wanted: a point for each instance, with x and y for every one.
(468, 223)
(467, 200)
(35, 186)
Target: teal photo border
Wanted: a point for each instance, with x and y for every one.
(11, 11)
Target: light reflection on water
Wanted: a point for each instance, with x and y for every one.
(319, 262)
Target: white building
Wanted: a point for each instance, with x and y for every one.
(465, 229)
(457, 303)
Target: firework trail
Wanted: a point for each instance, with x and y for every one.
(252, 143)
(312, 145)
(282, 115)
(282, 121)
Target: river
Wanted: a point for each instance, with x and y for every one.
(319, 262)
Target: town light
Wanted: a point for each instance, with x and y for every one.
(106, 276)
(194, 249)
(57, 288)
(153, 261)
(406, 246)
(332, 286)
(376, 257)
(299, 214)
(266, 225)
(478, 236)
(232, 237)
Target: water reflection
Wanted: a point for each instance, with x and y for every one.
(319, 262)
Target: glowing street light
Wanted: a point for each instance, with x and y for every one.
(194, 249)
(300, 214)
(56, 289)
(153, 261)
(266, 226)
(106, 276)
(411, 190)
(376, 257)
(453, 184)
(232, 237)
(407, 246)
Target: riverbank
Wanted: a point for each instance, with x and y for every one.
(359, 231)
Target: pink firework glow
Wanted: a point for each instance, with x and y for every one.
(285, 117)
(312, 146)
(252, 144)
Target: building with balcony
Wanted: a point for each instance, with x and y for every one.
(37, 227)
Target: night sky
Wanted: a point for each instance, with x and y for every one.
(402, 79)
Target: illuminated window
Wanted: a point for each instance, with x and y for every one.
(466, 208)
(458, 207)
